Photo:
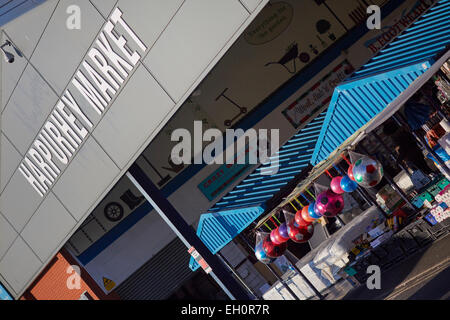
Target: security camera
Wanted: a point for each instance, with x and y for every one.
(9, 57)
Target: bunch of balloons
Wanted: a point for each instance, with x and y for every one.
(340, 185)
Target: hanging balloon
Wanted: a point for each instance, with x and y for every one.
(313, 215)
(335, 185)
(367, 172)
(329, 204)
(300, 234)
(347, 184)
(272, 250)
(313, 212)
(350, 173)
(305, 215)
(261, 255)
(276, 238)
(299, 217)
(283, 231)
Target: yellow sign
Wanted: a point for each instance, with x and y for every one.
(109, 284)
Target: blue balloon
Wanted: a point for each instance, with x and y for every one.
(347, 184)
(313, 212)
(261, 254)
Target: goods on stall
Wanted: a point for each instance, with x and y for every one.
(261, 254)
(300, 234)
(388, 198)
(367, 172)
(299, 218)
(446, 69)
(347, 184)
(441, 211)
(329, 204)
(276, 237)
(335, 185)
(273, 250)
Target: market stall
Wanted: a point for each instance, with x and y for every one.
(387, 130)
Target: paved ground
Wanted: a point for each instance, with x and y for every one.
(424, 275)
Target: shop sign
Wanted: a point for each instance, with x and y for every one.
(227, 174)
(393, 30)
(318, 96)
(68, 126)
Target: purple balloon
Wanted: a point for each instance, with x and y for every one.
(329, 204)
(283, 230)
(336, 185)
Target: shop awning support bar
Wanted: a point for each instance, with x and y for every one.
(185, 232)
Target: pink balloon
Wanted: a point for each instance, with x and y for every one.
(329, 204)
(336, 185)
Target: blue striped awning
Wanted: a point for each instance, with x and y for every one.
(379, 82)
(217, 229)
(293, 157)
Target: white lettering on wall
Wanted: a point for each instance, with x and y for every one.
(98, 79)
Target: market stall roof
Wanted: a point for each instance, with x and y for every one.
(217, 229)
(382, 80)
(294, 156)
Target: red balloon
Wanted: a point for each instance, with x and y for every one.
(299, 218)
(300, 234)
(306, 216)
(272, 250)
(350, 173)
(276, 237)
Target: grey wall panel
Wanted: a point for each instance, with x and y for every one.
(104, 6)
(185, 49)
(7, 235)
(9, 161)
(142, 103)
(19, 265)
(89, 174)
(51, 215)
(36, 20)
(19, 201)
(26, 111)
(251, 5)
(11, 73)
(149, 23)
(60, 50)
